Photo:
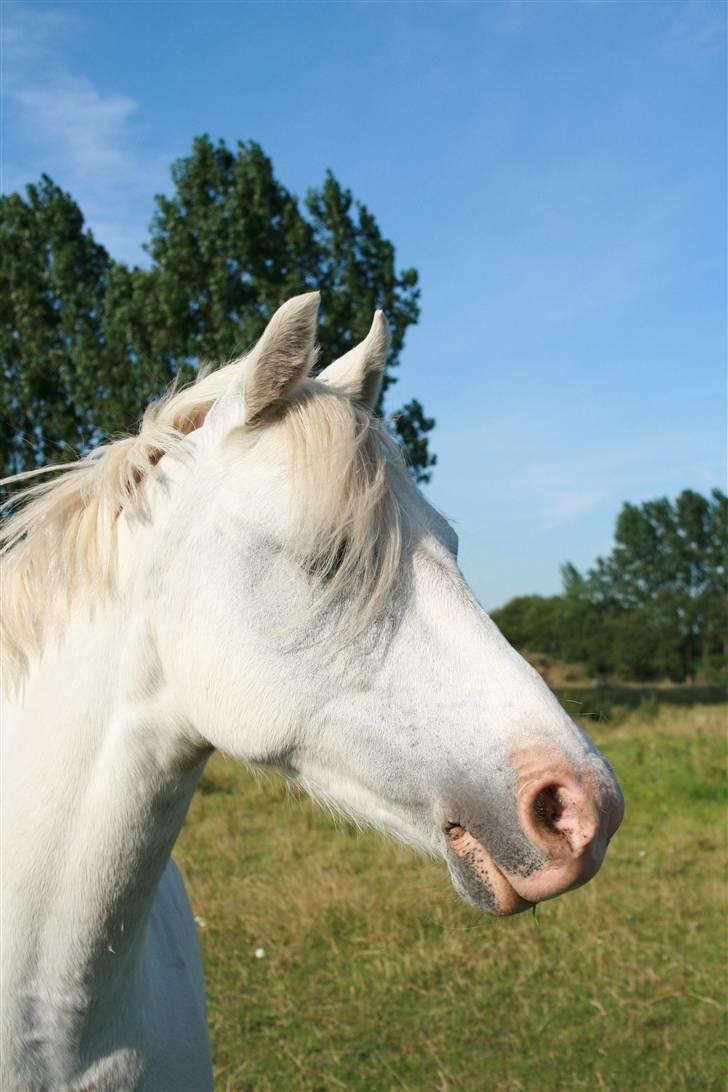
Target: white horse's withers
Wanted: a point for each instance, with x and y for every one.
(255, 573)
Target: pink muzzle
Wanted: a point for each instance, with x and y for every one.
(566, 814)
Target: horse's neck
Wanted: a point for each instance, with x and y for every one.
(98, 774)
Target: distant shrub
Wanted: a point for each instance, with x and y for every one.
(611, 704)
(648, 708)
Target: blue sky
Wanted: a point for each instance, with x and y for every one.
(554, 170)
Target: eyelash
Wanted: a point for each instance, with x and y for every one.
(328, 571)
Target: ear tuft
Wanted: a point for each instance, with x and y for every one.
(359, 372)
(283, 356)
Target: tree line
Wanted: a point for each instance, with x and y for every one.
(86, 341)
(655, 608)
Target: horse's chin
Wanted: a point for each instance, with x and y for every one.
(477, 878)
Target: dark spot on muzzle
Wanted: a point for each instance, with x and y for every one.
(469, 885)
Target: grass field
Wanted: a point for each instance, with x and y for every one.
(374, 976)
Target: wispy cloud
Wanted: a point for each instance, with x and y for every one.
(529, 465)
(90, 140)
(696, 30)
(590, 240)
(90, 131)
(29, 33)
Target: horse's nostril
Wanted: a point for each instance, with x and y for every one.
(549, 806)
(561, 811)
(567, 809)
(453, 830)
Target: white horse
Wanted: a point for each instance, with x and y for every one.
(254, 573)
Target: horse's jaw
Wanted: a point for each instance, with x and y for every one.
(477, 878)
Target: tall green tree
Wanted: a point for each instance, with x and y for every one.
(656, 607)
(667, 575)
(231, 242)
(87, 341)
(53, 280)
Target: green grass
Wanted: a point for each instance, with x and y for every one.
(375, 976)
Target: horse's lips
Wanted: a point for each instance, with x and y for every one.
(475, 857)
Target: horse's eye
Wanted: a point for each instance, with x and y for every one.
(327, 567)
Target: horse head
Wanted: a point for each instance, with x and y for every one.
(310, 615)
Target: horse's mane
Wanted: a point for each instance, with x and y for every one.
(59, 538)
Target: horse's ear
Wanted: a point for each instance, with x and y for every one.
(283, 356)
(359, 372)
